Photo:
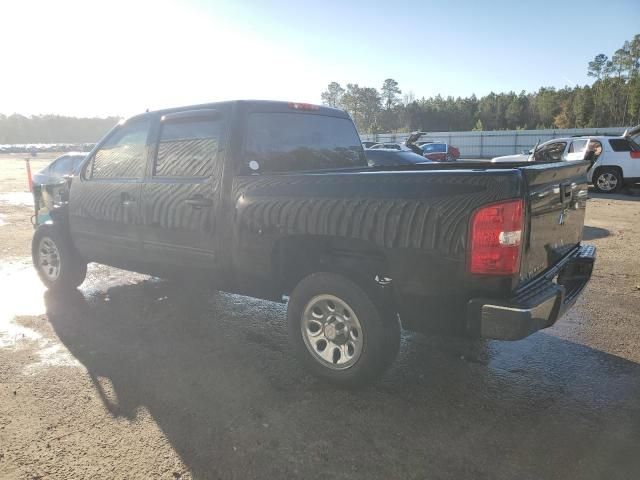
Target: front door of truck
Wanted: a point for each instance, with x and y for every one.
(104, 207)
(181, 193)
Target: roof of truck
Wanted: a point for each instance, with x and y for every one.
(254, 106)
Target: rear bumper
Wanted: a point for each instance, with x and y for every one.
(539, 304)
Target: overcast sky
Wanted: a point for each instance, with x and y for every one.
(120, 57)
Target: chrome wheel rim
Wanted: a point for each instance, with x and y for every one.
(607, 182)
(49, 258)
(332, 332)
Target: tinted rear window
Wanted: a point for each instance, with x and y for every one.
(284, 142)
(621, 145)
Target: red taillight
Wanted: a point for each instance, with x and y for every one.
(303, 106)
(635, 154)
(496, 238)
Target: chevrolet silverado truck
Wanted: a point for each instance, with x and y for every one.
(275, 200)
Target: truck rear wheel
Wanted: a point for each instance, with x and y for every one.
(55, 259)
(339, 332)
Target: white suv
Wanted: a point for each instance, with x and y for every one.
(615, 160)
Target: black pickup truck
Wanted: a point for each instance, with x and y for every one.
(275, 200)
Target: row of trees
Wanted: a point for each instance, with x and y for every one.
(53, 129)
(612, 100)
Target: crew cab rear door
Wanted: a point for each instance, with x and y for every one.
(181, 192)
(556, 197)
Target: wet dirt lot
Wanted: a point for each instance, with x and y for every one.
(132, 377)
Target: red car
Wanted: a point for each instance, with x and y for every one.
(440, 152)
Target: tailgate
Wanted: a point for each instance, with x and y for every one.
(557, 197)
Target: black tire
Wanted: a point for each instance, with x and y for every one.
(608, 180)
(71, 268)
(380, 331)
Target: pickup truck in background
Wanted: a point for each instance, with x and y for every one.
(275, 200)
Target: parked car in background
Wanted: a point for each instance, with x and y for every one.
(386, 157)
(434, 151)
(440, 151)
(550, 151)
(619, 163)
(59, 168)
(524, 156)
(45, 184)
(388, 146)
(368, 144)
(615, 160)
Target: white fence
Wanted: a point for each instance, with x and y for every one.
(496, 143)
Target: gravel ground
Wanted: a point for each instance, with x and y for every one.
(133, 377)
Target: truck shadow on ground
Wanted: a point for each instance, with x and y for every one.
(218, 377)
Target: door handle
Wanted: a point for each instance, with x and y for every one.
(198, 201)
(125, 199)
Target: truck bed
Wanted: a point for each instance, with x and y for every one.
(414, 217)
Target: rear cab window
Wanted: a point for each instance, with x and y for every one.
(298, 141)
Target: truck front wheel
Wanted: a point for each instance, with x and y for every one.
(55, 259)
(339, 332)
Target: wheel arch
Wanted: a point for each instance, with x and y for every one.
(296, 257)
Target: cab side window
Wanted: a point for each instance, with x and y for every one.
(123, 153)
(188, 148)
